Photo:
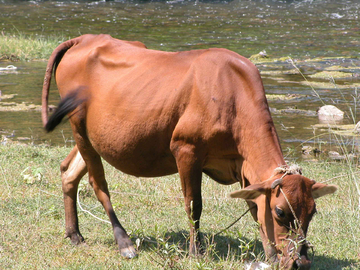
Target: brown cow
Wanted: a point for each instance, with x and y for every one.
(152, 113)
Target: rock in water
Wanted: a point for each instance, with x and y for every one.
(330, 113)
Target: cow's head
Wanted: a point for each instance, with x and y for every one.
(285, 207)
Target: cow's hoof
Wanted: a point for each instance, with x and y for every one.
(76, 238)
(128, 252)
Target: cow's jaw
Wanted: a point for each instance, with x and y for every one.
(289, 250)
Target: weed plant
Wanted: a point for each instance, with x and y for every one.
(345, 144)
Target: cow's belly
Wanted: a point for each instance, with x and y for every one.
(139, 148)
(143, 165)
(136, 158)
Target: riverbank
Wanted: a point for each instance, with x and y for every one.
(152, 212)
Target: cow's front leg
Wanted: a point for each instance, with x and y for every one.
(73, 168)
(190, 171)
(193, 208)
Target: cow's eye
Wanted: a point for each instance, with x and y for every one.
(279, 212)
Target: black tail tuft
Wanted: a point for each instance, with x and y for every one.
(69, 103)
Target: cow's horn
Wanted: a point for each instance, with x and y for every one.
(276, 183)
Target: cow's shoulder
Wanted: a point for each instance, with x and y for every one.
(222, 56)
(226, 63)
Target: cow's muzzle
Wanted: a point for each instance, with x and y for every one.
(296, 258)
(302, 263)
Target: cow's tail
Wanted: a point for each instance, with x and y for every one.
(53, 62)
(68, 104)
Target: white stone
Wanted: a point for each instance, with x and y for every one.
(330, 113)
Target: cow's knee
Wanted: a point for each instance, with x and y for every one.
(73, 168)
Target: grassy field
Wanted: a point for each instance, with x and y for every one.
(22, 47)
(32, 223)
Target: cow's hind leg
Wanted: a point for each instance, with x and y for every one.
(73, 168)
(99, 184)
(190, 170)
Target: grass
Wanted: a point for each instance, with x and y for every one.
(32, 223)
(21, 47)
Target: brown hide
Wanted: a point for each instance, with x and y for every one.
(152, 113)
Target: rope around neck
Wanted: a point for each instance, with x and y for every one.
(233, 223)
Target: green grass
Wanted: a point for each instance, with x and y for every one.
(15, 47)
(32, 219)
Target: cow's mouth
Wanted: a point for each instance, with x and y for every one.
(303, 261)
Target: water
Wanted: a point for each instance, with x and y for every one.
(303, 30)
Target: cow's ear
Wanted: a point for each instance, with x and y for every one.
(250, 193)
(319, 190)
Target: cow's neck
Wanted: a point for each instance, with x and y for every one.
(262, 154)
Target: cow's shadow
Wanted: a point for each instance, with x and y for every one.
(321, 262)
(222, 247)
(218, 247)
